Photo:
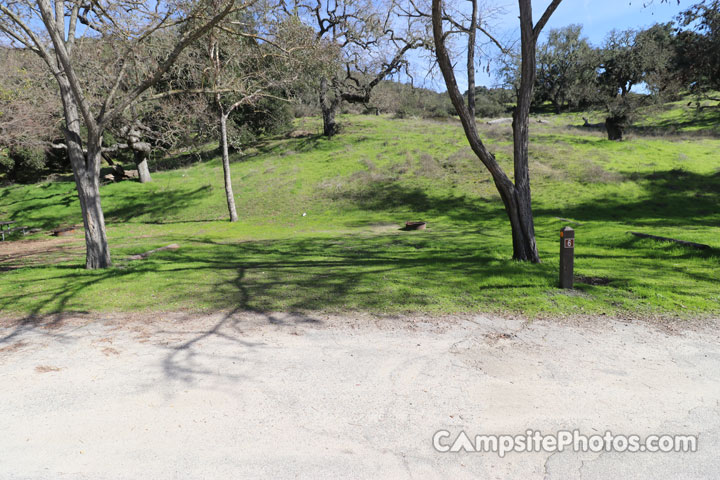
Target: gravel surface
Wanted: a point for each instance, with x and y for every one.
(228, 396)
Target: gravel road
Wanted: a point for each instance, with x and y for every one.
(229, 396)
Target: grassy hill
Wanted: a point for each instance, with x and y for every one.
(347, 252)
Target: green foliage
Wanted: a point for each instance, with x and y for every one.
(23, 164)
(248, 123)
(699, 45)
(406, 101)
(492, 102)
(573, 74)
(6, 163)
(566, 69)
(348, 253)
(627, 59)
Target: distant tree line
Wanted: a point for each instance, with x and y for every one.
(630, 69)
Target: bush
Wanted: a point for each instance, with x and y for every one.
(23, 164)
(267, 117)
(6, 163)
(488, 107)
(305, 109)
(404, 101)
(29, 164)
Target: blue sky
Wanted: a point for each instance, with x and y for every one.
(600, 16)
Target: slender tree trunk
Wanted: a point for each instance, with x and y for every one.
(86, 170)
(524, 244)
(329, 107)
(214, 54)
(226, 167)
(471, 58)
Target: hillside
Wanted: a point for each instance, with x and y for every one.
(347, 252)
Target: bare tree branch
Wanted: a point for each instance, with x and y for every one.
(545, 17)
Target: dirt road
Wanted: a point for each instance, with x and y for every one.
(242, 396)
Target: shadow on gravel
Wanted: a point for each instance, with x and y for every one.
(192, 360)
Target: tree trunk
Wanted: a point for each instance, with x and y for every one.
(516, 197)
(330, 126)
(142, 167)
(524, 245)
(141, 151)
(614, 127)
(329, 107)
(517, 207)
(226, 167)
(472, 31)
(88, 187)
(86, 170)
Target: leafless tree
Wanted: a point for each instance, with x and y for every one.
(251, 57)
(50, 29)
(515, 196)
(248, 65)
(371, 40)
(29, 112)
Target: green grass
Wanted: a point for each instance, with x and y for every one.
(682, 116)
(347, 253)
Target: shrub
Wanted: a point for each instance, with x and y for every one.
(267, 117)
(488, 107)
(6, 163)
(29, 163)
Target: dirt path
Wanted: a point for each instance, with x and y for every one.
(15, 254)
(279, 396)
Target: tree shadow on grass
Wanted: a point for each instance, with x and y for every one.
(119, 206)
(672, 131)
(314, 274)
(184, 160)
(705, 123)
(62, 196)
(353, 273)
(280, 145)
(672, 198)
(391, 196)
(126, 206)
(306, 274)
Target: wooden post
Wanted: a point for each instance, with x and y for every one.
(567, 256)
